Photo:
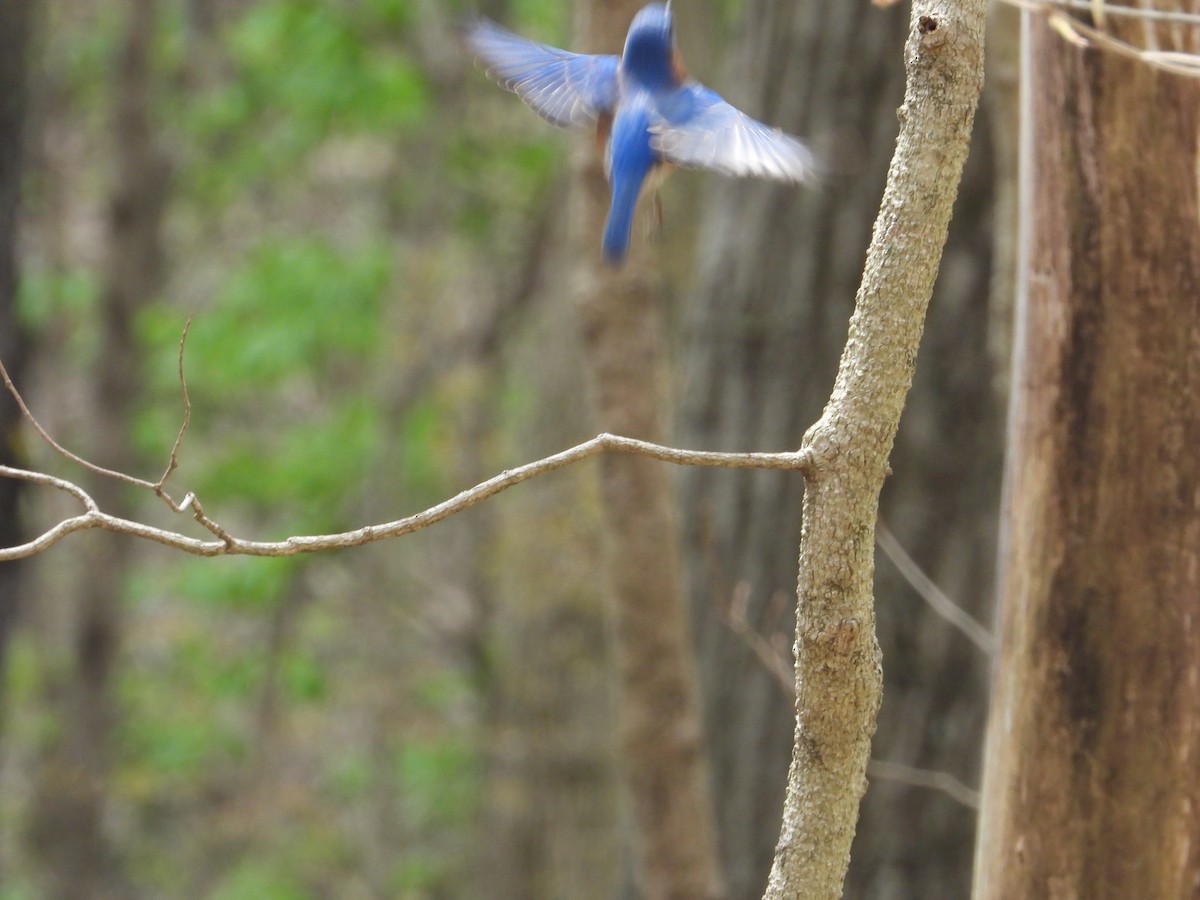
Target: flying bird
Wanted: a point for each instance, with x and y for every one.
(646, 110)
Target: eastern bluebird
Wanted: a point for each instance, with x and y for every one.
(646, 109)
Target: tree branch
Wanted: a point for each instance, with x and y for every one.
(839, 680)
(954, 614)
(924, 778)
(173, 462)
(228, 545)
(59, 448)
(1081, 34)
(773, 657)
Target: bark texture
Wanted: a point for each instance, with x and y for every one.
(838, 675)
(1093, 756)
(624, 351)
(763, 332)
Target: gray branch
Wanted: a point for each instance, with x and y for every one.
(839, 681)
(93, 517)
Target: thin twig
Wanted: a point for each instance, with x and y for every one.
(778, 663)
(52, 481)
(1183, 64)
(190, 500)
(1186, 65)
(926, 778)
(159, 488)
(229, 545)
(59, 448)
(1111, 9)
(173, 462)
(931, 593)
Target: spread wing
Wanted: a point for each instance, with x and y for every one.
(699, 129)
(565, 88)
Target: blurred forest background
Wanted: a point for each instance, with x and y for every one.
(372, 240)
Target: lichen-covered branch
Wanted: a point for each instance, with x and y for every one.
(838, 674)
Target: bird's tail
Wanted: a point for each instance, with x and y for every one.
(625, 190)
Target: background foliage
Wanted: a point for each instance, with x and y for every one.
(287, 728)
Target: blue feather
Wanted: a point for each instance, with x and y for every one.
(629, 162)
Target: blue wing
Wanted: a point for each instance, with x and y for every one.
(566, 88)
(697, 128)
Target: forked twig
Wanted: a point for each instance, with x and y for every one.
(228, 545)
(59, 448)
(156, 486)
(1101, 10)
(190, 501)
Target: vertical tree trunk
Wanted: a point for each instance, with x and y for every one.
(549, 824)
(14, 42)
(662, 756)
(838, 665)
(1092, 768)
(764, 328)
(69, 828)
(15, 29)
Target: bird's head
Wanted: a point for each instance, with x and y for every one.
(653, 17)
(649, 47)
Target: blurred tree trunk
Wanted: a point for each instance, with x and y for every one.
(69, 828)
(662, 757)
(549, 824)
(14, 66)
(764, 330)
(1093, 757)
